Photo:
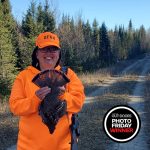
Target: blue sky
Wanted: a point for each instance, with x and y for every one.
(112, 12)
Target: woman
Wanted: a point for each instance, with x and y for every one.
(26, 97)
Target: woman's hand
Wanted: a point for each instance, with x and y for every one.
(42, 92)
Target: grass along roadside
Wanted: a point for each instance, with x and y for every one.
(8, 127)
(93, 81)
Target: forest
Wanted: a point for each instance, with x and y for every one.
(85, 47)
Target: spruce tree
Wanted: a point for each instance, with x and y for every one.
(49, 19)
(88, 47)
(95, 37)
(29, 22)
(40, 19)
(130, 39)
(105, 54)
(7, 55)
(142, 38)
(30, 31)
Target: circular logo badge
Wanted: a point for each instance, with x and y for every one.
(121, 123)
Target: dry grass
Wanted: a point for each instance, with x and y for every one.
(94, 78)
(93, 81)
(8, 127)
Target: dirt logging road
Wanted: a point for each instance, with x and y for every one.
(125, 88)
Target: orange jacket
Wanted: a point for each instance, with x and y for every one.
(33, 133)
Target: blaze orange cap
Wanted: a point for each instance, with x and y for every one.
(47, 39)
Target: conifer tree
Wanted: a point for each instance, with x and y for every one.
(29, 22)
(122, 45)
(88, 45)
(40, 18)
(95, 38)
(12, 26)
(105, 54)
(29, 30)
(37, 20)
(49, 20)
(142, 38)
(7, 55)
(130, 39)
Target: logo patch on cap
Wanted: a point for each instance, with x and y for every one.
(49, 37)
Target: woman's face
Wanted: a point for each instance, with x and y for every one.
(48, 57)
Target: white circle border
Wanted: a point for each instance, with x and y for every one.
(137, 118)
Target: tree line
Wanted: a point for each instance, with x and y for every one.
(84, 46)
